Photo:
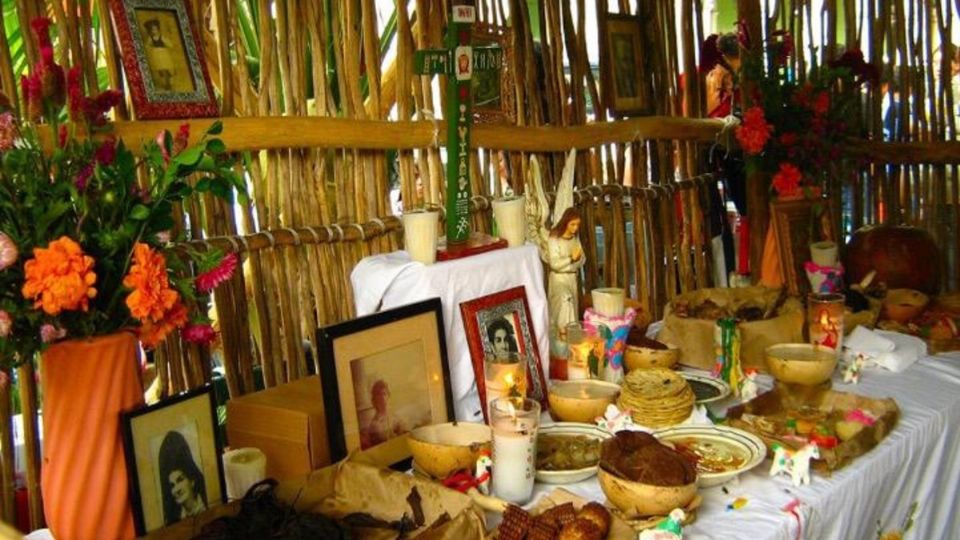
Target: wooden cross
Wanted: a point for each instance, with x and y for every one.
(458, 61)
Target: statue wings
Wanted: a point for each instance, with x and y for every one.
(539, 216)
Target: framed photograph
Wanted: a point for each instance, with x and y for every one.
(797, 224)
(493, 93)
(382, 376)
(163, 59)
(499, 324)
(624, 81)
(173, 459)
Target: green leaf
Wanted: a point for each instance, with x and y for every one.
(140, 212)
(203, 185)
(215, 128)
(189, 157)
(216, 146)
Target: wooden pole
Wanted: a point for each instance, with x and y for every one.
(756, 183)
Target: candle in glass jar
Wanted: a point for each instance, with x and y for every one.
(825, 320)
(515, 422)
(582, 346)
(504, 377)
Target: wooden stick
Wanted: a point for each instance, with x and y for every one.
(31, 442)
(7, 475)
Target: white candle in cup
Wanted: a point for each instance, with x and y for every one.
(514, 422)
(824, 253)
(609, 301)
(511, 220)
(504, 377)
(420, 235)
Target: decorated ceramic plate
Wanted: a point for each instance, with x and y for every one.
(721, 452)
(568, 452)
(707, 389)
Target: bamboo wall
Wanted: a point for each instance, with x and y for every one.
(319, 121)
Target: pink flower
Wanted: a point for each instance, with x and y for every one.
(50, 333)
(210, 279)
(201, 334)
(8, 251)
(8, 131)
(6, 324)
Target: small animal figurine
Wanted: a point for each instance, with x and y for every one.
(669, 528)
(796, 463)
(482, 471)
(614, 420)
(852, 370)
(748, 386)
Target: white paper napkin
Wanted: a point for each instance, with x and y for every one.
(890, 350)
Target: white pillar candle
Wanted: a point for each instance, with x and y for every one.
(609, 301)
(420, 235)
(242, 468)
(824, 253)
(511, 220)
(515, 422)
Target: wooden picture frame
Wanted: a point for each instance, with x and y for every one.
(172, 449)
(494, 97)
(481, 316)
(163, 59)
(792, 222)
(623, 83)
(382, 376)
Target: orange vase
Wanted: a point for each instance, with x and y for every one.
(86, 384)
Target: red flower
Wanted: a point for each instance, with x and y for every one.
(99, 106)
(32, 95)
(210, 279)
(821, 104)
(75, 98)
(51, 77)
(106, 152)
(853, 60)
(41, 29)
(783, 46)
(62, 135)
(788, 139)
(201, 334)
(754, 132)
(83, 177)
(787, 180)
(181, 139)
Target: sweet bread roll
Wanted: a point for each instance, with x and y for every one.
(581, 529)
(596, 513)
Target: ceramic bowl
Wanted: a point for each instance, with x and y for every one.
(739, 449)
(581, 401)
(571, 429)
(636, 499)
(645, 358)
(441, 449)
(902, 305)
(801, 363)
(720, 388)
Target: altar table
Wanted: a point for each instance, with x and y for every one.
(917, 463)
(391, 280)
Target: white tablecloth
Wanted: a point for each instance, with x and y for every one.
(917, 463)
(391, 280)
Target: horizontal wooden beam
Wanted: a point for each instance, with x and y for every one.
(934, 152)
(280, 132)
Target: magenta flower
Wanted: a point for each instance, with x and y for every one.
(50, 333)
(8, 131)
(8, 251)
(83, 177)
(200, 334)
(106, 152)
(210, 279)
(6, 323)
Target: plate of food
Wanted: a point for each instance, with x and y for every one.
(706, 389)
(720, 453)
(568, 452)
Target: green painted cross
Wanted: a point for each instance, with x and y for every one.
(458, 61)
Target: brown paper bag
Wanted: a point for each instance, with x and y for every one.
(694, 337)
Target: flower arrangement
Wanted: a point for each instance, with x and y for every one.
(85, 249)
(797, 131)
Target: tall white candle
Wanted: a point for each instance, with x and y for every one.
(511, 220)
(420, 235)
(515, 422)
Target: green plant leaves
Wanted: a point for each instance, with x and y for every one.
(139, 212)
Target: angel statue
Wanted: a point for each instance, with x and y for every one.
(556, 236)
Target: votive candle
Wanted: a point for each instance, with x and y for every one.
(504, 377)
(825, 319)
(515, 422)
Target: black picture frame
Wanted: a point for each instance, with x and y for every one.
(165, 413)
(346, 348)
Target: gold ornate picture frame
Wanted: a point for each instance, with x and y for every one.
(494, 96)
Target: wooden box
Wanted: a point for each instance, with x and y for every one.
(287, 422)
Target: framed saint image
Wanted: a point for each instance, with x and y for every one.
(623, 78)
(492, 86)
(382, 376)
(163, 59)
(497, 325)
(173, 459)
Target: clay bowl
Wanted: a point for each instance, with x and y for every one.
(636, 499)
(441, 449)
(902, 305)
(801, 363)
(581, 401)
(646, 358)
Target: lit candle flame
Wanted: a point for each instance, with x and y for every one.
(824, 318)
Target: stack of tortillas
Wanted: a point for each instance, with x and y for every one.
(656, 397)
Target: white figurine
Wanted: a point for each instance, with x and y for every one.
(482, 472)
(796, 463)
(852, 370)
(614, 420)
(748, 386)
(556, 234)
(669, 528)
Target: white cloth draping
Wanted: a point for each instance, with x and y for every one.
(916, 463)
(386, 281)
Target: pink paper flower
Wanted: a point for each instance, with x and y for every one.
(6, 323)
(201, 334)
(8, 251)
(8, 131)
(210, 279)
(50, 333)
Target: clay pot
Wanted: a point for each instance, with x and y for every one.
(904, 257)
(636, 499)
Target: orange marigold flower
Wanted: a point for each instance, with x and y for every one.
(153, 332)
(787, 179)
(754, 132)
(59, 277)
(152, 296)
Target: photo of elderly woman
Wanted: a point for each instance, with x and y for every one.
(182, 485)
